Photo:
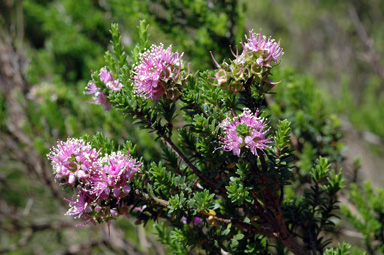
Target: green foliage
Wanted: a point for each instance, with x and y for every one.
(143, 41)
(369, 220)
(335, 183)
(320, 171)
(237, 192)
(343, 249)
(53, 28)
(366, 114)
(176, 202)
(204, 201)
(193, 25)
(282, 135)
(106, 145)
(317, 209)
(300, 103)
(257, 246)
(162, 179)
(165, 238)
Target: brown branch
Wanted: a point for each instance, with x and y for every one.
(195, 170)
(277, 220)
(257, 206)
(242, 225)
(219, 218)
(146, 197)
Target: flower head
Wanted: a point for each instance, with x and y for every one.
(260, 54)
(112, 176)
(72, 160)
(79, 205)
(99, 96)
(105, 76)
(99, 181)
(245, 130)
(265, 50)
(196, 221)
(110, 82)
(159, 72)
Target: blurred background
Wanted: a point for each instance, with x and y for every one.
(47, 49)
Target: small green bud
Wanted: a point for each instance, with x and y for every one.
(243, 129)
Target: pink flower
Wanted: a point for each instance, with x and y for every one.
(259, 56)
(110, 82)
(196, 221)
(266, 50)
(111, 176)
(99, 97)
(79, 205)
(105, 76)
(158, 73)
(96, 180)
(72, 160)
(114, 85)
(245, 130)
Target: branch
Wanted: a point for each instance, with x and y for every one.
(242, 225)
(146, 197)
(202, 176)
(277, 220)
(220, 218)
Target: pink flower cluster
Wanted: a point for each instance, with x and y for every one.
(260, 54)
(109, 81)
(196, 221)
(100, 182)
(245, 130)
(266, 50)
(158, 73)
(98, 95)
